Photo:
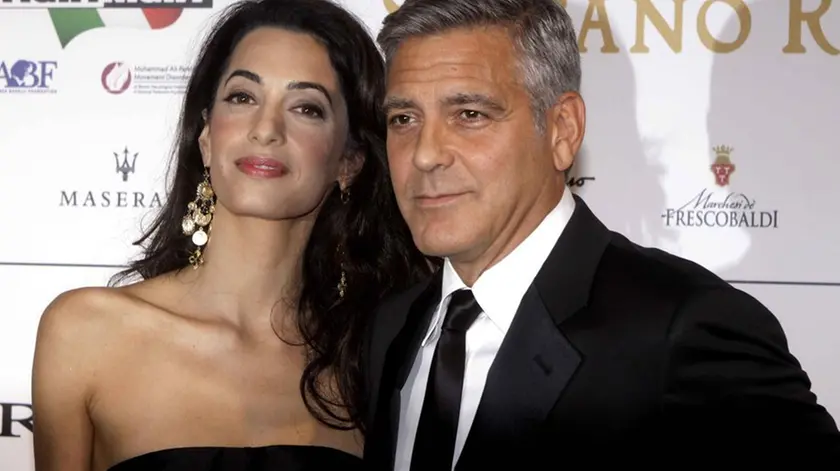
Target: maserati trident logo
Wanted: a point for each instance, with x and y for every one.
(137, 194)
(124, 167)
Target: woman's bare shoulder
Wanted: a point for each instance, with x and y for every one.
(96, 312)
(81, 308)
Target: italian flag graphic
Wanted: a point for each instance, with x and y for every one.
(71, 22)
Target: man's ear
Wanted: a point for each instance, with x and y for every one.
(204, 140)
(566, 122)
(349, 167)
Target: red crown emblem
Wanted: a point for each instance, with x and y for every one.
(723, 166)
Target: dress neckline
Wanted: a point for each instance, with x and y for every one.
(212, 448)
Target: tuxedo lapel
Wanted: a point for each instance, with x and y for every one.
(407, 343)
(566, 278)
(536, 362)
(533, 365)
(398, 362)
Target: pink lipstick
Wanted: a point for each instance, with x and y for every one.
(261, 167)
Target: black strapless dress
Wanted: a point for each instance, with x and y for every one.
(267, 458)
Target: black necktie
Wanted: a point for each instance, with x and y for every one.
(434, 445)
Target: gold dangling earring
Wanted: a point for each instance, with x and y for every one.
(342, 283)
(200, 215)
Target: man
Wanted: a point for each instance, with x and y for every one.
(545, 334)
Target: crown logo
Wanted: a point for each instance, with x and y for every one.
(124, 167)
(723, 167)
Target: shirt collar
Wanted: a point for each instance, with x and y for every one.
(499, 290)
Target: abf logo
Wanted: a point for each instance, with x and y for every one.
(27, 76)
(71, 18)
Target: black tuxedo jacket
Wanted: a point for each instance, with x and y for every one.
(619, 350)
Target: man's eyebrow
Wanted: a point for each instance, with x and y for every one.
(480, 99)
(392, 103)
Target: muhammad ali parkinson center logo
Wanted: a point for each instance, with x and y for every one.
(118, 77)
(121, 192)
(720, 207)
(71, 18)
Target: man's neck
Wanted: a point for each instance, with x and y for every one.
(522, 222)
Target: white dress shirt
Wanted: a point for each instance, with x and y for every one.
(498, 291)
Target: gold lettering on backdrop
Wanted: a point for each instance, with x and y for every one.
(597, 8)
(812, 18)
(672, 36)
(744, 26)
(391, 6)
(596, 18)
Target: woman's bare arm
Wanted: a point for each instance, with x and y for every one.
(61, 382)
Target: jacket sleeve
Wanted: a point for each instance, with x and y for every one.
(731, 377)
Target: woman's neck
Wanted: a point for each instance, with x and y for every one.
(251, 268)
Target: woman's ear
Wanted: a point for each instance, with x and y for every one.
(204, 140)
(350, 166)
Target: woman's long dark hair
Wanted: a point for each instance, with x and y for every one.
(378, 256)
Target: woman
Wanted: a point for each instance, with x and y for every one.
(282, 205)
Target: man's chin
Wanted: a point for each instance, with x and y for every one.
(439, 248)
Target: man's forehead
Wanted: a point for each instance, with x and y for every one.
(446, 69)
(474, 46)
(437, 88)
(443, 74)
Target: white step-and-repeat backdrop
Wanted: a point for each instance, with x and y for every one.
(714, 129)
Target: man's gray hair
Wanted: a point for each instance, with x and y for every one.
(541, 31)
